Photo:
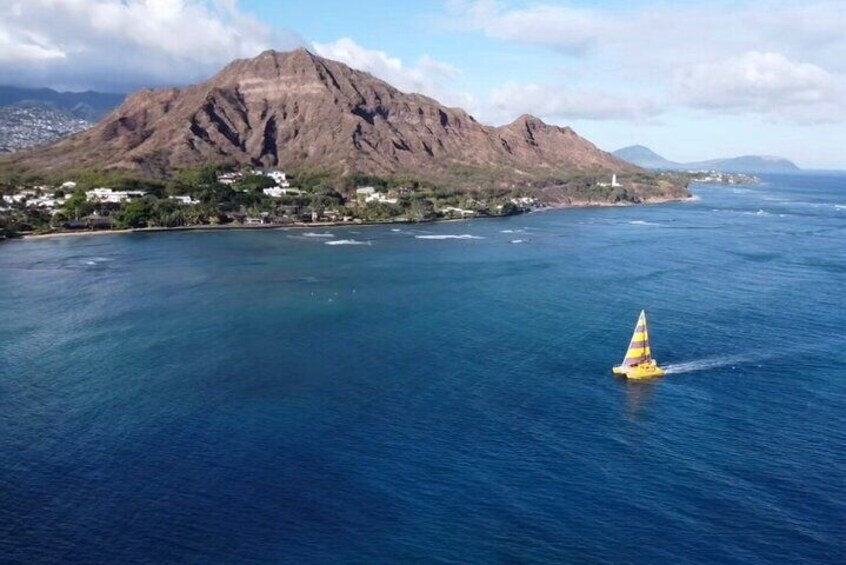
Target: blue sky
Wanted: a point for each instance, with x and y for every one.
(692, 80)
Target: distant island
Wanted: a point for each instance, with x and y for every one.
(336, 132)
(749, 164)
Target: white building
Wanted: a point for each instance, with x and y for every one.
(33, 200)
(279, 178)
(364, 191)
(68, 185)
(229, 178)
(104, 194)
(278, 192)
(380, 198)
(185, 199)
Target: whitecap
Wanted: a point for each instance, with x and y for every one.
(516, 241)
(643, 223)
(346, 242)
(449, 236)
(316, 234)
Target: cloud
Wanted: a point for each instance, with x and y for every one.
(764, 83)
(562, 103)
(665, 31)
(781, 59)
(427, 76)
(564, 28)
(126, 44)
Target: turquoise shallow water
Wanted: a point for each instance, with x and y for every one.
(269, 397)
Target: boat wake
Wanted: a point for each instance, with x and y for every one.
(710, 363)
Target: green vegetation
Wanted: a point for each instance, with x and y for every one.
(198, 197)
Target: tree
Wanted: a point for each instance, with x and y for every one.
(421, 210)
(135, 214)
(255, 183)
(77, 206)
(168, 214)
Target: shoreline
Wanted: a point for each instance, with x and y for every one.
(324, 225)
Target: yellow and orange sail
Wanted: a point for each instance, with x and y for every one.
(639, 362)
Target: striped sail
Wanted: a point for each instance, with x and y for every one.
(639, 351)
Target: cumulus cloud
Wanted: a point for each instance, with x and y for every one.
(766, 83)
(426, 76)
(125, 44)
(561, 103)
(784, 59)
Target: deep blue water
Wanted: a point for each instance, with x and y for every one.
(266, 397)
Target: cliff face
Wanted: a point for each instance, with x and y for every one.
(302, 112)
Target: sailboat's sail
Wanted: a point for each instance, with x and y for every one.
(639, 350)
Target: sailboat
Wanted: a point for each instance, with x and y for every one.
(639, 363)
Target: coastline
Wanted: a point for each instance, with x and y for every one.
(323, 225)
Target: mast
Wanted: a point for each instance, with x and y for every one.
(639, 350)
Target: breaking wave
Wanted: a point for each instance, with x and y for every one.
(644, 223)
(346, 242)
(316, 234)
(449, 236)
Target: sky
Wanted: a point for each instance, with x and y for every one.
(691, 80)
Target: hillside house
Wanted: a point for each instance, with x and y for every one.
(105, 194)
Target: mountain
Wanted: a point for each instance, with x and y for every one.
(89, 106)
(305, 113)
(748, 164)
(646, 158)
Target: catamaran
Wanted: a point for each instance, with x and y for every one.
(639, 363)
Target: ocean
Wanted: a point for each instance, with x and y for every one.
(439, 393)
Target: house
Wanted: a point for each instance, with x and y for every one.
(279, 192)
(279, 178)
(96, 222)
(380, 198)
(184, 199)
(336, 216)
(363, 192)
(229, 178)
(105, 194)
